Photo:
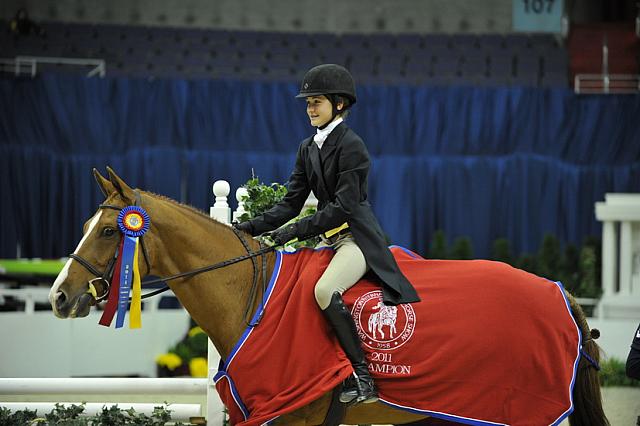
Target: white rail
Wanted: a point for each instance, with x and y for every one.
(32, 295)
(101, 386)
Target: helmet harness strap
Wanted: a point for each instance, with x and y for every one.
(334, 109)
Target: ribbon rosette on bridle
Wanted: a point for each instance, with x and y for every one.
(133, 222)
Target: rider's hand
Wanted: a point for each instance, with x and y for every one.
(285, 234)
(244, 226)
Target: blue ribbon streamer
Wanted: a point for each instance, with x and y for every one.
(126, 277)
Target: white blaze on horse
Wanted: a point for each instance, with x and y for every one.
(181, 239)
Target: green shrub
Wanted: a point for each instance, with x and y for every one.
(438, 249)
(502, 251)
(588, 285)
(462, 249)
(527, 262)
(548, 261)
(613, 373)
(569, 268)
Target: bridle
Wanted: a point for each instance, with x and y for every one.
(106, 276)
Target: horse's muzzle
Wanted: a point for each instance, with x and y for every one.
(78, 307)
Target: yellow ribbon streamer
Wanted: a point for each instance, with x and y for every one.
(135, 310)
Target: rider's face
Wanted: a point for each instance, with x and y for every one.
(319, 110)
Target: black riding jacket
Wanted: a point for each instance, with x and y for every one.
(338, 175)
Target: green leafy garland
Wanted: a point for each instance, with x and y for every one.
(70, 415)
(261, 197)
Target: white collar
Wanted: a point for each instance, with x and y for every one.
(322, 134)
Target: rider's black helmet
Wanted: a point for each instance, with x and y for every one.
(328, 79)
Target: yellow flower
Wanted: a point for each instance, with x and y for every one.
(198, 367)
(195, 330)
(169, 360)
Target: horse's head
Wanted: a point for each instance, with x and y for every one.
(84, 279)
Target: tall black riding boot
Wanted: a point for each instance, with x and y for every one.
(360, 388)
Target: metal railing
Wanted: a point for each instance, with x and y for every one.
(606, 83)
(29, 64)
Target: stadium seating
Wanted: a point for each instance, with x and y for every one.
(435, 59)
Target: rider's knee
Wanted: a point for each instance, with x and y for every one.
(323, 296)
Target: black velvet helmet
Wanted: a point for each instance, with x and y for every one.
(328, 79)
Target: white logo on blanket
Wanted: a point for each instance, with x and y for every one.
(382, 327)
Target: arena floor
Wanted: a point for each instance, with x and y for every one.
(621, 405)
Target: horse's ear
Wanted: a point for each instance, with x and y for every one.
(123, 189)
(105, 186)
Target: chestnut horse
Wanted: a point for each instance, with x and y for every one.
(182, 239)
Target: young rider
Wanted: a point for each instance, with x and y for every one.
(334, 164)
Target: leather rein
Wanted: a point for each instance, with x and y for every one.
(106, 276)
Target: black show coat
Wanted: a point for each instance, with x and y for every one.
(338, 174)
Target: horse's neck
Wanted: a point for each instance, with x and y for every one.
(216, 300)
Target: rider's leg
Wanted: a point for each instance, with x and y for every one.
(345, 269)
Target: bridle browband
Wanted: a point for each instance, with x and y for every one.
(106, 276)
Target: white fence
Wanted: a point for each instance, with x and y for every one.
(620, 214)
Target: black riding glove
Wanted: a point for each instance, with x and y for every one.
(283, 235)
(244, 226)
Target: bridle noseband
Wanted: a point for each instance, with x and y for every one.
(106, 276)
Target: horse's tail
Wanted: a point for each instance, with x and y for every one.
(587, 399)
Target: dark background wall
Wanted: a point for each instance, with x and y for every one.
(484, 155)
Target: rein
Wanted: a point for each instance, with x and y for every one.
(107, 275)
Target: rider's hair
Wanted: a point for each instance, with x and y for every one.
(336, 99)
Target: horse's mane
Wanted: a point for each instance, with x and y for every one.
(192, 209)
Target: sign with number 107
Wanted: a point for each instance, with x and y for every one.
(538, 15)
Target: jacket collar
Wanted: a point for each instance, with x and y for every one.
(319, 157)
(335, 135)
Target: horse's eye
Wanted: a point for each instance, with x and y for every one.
(108, 232)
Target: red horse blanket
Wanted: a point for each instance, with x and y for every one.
(488, 344)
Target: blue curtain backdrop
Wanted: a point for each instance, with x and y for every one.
(478, 162)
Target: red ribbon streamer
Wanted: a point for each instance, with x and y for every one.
(112, 302)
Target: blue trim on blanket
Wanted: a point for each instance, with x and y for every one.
(409, 252)
(224, 365)
(443, 416)
(234, 393)
(259, 312)
(575, 364)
